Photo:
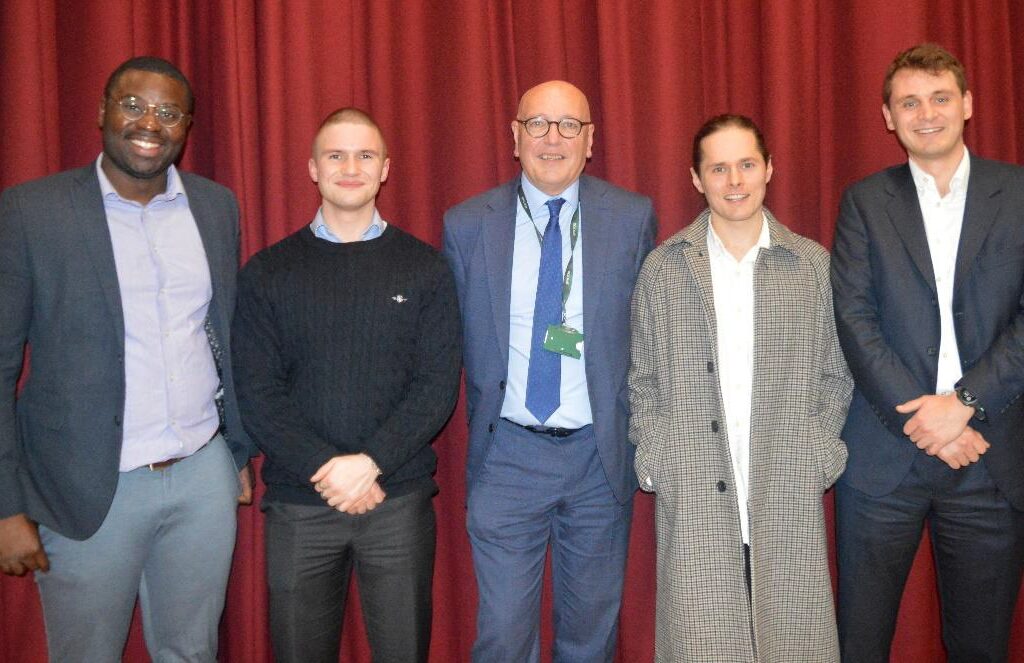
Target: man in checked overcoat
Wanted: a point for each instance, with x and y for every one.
(738, 392)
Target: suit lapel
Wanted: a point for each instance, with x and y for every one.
(204, 216)
(980, 212)
(499, 231)
(87, 199)
(597, 228)
(905, 215)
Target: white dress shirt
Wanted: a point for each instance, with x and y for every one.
(943, 220)
(733, 284)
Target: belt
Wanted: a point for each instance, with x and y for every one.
(162, 465)
(550, 431)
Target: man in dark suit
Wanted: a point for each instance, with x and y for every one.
(544, 267)
(116, 470)
(928, 280)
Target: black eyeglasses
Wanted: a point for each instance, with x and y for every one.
(538, 127)
(134, 108)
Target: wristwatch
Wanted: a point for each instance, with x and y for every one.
(967, 397)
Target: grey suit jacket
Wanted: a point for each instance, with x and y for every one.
(888, 318)
(617, 231)
(60, 442)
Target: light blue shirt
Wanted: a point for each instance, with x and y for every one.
(164, 279)
(574, 411)
(373, 231)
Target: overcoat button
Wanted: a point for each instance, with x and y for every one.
(721, 486)
(714, 426)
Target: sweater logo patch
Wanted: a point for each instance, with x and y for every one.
(401, 299)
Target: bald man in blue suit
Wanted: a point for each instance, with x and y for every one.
(545, 266)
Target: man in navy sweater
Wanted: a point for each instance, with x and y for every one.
(348, 352)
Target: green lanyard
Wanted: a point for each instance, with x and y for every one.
(574, 234)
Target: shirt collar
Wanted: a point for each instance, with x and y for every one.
(321, 230)
(957, 185)
(537, 199)
(174, 186)
(717, 248)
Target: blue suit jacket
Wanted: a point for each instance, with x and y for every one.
(617, 232)
(60, 445)
(887, 316)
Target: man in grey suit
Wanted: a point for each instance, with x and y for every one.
(544, 267)
(738, 392)
(928, 278)
(119, 462)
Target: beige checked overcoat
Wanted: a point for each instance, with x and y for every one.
(801, 392)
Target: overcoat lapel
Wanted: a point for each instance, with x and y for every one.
(499, 231)
(695, 252)
(87, 200)
(905, 215)
(980, 212)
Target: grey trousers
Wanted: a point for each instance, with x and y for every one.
(167, 539)
(311, 553)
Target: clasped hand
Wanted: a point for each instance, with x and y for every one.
(939, 428)
(349, 483)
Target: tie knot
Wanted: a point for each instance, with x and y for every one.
(555, 206)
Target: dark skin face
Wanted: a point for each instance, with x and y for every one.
(137, 153)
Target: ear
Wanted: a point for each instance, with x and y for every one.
(102, 113)
(516, 128)
(888, 118)
(768, 172)
(314, 173)
(590, 140)
(968, 105)
(385, 170)
(696, 181)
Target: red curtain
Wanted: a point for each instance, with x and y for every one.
(442, 77)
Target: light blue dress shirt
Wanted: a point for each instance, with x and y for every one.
(574, 411)
(373, 231)
(164, 279)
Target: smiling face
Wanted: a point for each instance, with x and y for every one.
(927, 112)
(552, 162)
(733, 175)
(348, 166)
(141, 149)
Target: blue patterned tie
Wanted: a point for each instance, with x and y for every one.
(544, 379)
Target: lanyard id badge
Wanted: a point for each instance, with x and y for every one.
(561, 338)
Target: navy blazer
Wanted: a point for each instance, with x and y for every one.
(887, 317)
(617, 231)
(60, 444)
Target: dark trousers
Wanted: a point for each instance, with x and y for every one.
(311, 552)
(978, 543)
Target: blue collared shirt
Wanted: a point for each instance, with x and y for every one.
(373, 231)
(164, 279)
(574, 411)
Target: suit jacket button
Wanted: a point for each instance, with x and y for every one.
(720, 486)
(501, 385)
(932, 351)
(714, 426)
(490, 428)
(117, 420)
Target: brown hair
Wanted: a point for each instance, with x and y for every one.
(719, 122)
(925, 57)
(350, 115)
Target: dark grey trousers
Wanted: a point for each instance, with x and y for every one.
(311, 554)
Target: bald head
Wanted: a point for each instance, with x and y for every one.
(553, 162)
(558, 92)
